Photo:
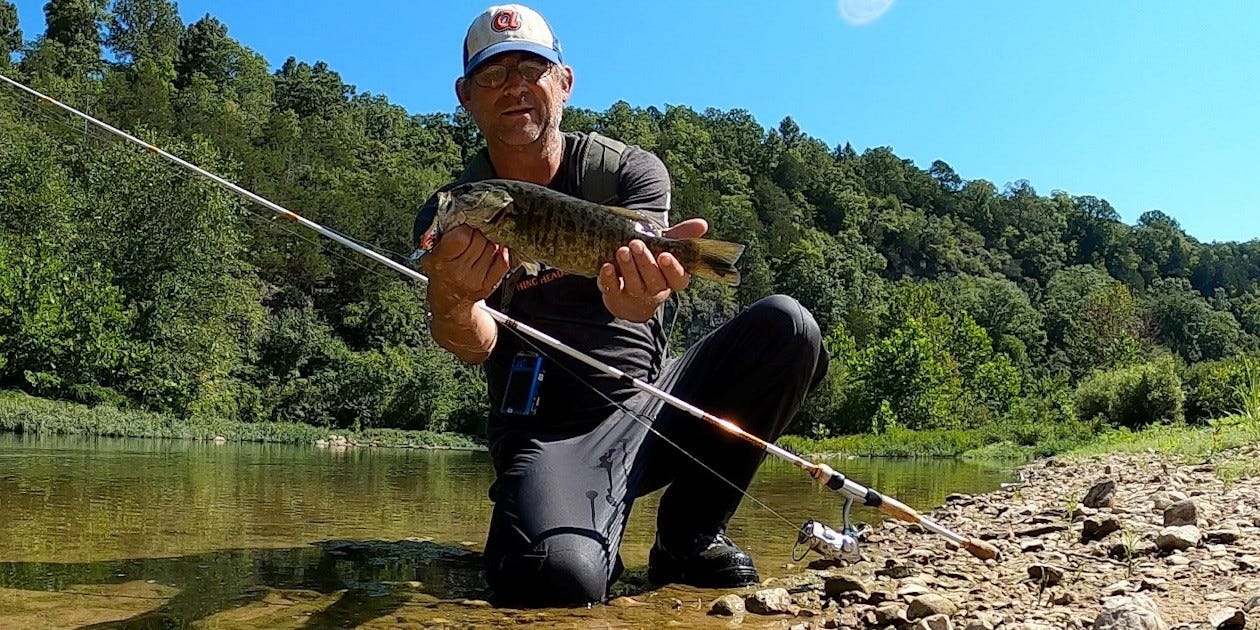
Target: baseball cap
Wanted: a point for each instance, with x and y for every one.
(509, 27)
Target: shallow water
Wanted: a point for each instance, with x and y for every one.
(111, 533)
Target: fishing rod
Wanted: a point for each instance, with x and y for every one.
(827, 542)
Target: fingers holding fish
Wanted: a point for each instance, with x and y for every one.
(465, 265)
(639, 273)
(691, 228)
(635, 285)
(527, 217)
(491, 266)
(675, 275)
(454, 243)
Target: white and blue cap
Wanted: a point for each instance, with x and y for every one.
(508, 28)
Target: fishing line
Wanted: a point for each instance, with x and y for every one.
(813, 535)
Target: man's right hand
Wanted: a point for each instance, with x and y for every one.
(464, 268)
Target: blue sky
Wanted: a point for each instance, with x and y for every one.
(1149, 104)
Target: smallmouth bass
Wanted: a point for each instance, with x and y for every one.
(541, 226)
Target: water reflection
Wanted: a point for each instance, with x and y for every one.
(232, 526)
(375, 577)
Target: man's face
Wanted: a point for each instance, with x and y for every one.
(519, 111)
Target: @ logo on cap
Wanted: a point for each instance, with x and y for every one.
(506, 20)
(507, 28)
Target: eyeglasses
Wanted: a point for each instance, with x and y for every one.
(495, 75)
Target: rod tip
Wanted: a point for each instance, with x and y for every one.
(981, 549)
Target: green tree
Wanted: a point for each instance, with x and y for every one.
(10, 33)
(1092, 321)
(145, 30)
(73, 36)
(310, 90)
(1188, 325)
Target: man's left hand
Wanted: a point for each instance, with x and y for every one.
(641, 281)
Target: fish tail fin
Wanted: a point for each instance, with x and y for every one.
(717, 261)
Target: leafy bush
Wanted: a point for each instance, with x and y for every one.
(1218, 388)
(1133, 396)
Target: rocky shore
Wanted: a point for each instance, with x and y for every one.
(1119, 542)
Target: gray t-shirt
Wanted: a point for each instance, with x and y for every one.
(571, 309)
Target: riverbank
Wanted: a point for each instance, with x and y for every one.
(1012, 445)
(21, 413)
(1158, 529)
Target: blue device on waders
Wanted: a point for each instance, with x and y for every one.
(523, 384)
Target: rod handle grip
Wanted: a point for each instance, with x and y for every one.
(981, 549)
(898, 510)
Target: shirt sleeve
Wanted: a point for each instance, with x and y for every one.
(643, 184)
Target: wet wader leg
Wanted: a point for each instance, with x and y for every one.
(755, 371)
(560, 511)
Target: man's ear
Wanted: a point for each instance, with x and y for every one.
(461, 92)
(568, 81)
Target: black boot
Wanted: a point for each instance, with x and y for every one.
(707, 561)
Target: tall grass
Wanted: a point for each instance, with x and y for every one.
(1247, 393)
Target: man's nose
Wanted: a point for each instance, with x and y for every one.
(515, 81)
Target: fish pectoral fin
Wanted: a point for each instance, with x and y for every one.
(503, 203)
(515, 260)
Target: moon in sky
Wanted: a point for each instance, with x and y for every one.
(860, 12)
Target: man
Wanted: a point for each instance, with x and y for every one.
(569, 467)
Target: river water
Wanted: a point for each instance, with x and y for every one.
(123, 533)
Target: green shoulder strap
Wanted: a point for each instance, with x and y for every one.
(598, 176)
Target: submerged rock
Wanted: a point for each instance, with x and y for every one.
(727, 606)
(770, 601)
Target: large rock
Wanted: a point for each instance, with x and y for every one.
(928, 605)
(1181, 513)
(1098, 527)
(770, 601)
(1227, 619)
(1178, 538)
(1102, 494)
(890, 614)
(1130, 612)
(845, 586)
(727, 606)
(935, 622)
